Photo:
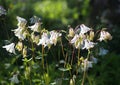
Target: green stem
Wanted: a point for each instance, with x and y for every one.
(78, 53)
(88, 54)
(72, 56)
(43, 56)
(64, 65)
(62, 48)
(84, 74)
(30, 81)
(89, 80)
(78, 60)
(33, 56)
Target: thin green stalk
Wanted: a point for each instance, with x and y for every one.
(78, 53)
(83, 79)
(22, 81)
(88, 54)
(43, 56)
(89, 80)
(62, 48)
(30, 81)
(33, 49)
(78, 60)
(72, 56)
(64, 65)
(84, 74)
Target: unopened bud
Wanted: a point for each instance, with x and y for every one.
(71, 32)
(91, 35)
(19, 46)
(24, 52)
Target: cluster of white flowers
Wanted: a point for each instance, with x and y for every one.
(47, 39)
(43, 37)
(82, 37)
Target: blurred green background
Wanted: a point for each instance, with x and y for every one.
(58, 14)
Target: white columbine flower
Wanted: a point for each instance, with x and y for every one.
(54, 37)
(45, 41)
(75, 38)
(35, 27)
(21, 21)
(10, 48)
(76, 41)
(84, 29)
(105, 36)
(19, 33)
(86, 65)
(14, 79)
(88, 44)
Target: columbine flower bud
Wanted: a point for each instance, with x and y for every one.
(35, 39)
(19, 46)
(108, 36)
(71, 82)
(71, 32)
(91, 35)
(24, 52)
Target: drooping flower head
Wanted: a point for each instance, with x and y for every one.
(75, 41)
(105, 36)
(54, 37)
(88, 44)
(20, 33)
(35, 27)
(10, 48)
(84, 29)
(21, 22)
(45, 41)
(78, 40)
